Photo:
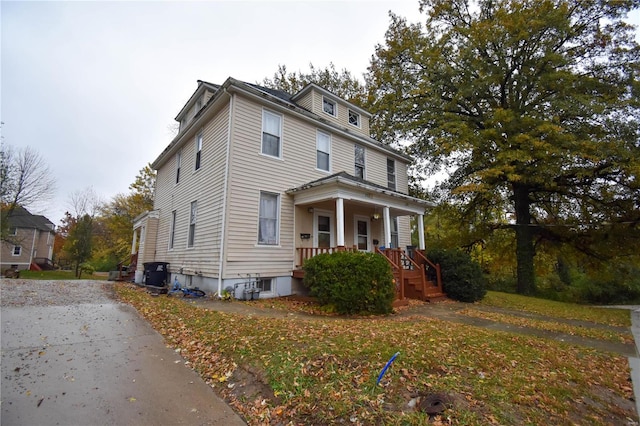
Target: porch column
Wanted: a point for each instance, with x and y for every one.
(421, 245)
(340, 221)
(387, 227)
(135, 240)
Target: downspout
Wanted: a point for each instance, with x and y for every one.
(224, 194)
(33, 246)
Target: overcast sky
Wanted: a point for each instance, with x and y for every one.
(93, 87)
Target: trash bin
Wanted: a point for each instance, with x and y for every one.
(156, 274)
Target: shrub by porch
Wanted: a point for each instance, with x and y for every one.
(351, 282)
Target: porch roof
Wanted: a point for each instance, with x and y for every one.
(348, 187)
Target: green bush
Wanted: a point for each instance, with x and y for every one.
(462, 278)
(353, 283)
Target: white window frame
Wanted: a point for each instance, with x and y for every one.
(178, 165)
(276, 240)
(326, 100)
(265, 113)
(395, 232)
(358, 118)
(13, 231)
(19, 253)
(172, 232)
(364, 161)
(191, 229)
(328, 135)
(198, 159)
(330, 215)
(261, 284)
(365, 219)
(391, 177)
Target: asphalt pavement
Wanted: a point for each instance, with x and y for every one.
(97, 364)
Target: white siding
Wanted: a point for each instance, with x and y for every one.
(204, 186)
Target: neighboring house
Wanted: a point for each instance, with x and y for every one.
(258, 180)
(30, 241)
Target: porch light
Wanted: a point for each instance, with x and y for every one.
(310, 209)
(375, 216)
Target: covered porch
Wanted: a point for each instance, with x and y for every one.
(342, 212)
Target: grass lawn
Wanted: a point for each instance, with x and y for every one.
(60, 275)
(323, 370)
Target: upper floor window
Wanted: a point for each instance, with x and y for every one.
(268, 219)
(271, 133)
(178, 164)
(192, 224)
(359, 161)
(391, 174)
(13, 231)
(172, 234)
(17, 250)
(323, 151)
(198, 150)
(354, 118)
(329, 106)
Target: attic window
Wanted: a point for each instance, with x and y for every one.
(354, 118)
(328, 106)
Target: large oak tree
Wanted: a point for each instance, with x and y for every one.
(533, 106)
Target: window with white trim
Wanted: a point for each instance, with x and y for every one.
(13, 231)
(329, 106)
(172, 234)
(198, 150)
(271, 134)
(354, 118)
(17, 250)
(323, 151)
(264, 284)
(391, 174)
(178, 164)
(395, 241)
(192, 224)
(268, 219)
(359, 161)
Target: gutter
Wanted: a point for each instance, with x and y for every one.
(33, 243)
(224, 194)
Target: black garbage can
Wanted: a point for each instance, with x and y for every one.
(156, 274)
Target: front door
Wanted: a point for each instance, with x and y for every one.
(323, 229)
(361, 237)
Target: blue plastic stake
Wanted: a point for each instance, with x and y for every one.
(386, 366)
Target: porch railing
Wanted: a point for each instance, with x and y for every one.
(305, 253)
(435, 267)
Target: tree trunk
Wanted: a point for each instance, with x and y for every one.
(524, 241)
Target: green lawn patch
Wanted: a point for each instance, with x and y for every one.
(323, 370)
(608, 316)
(60, 275)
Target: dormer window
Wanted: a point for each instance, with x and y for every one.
(354, 118)
(329, 106)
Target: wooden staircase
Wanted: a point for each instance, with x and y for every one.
(417, 277)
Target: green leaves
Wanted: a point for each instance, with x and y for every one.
(534, 96)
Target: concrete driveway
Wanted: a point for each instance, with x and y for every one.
(71, 355)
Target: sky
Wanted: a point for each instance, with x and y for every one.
(94, 87)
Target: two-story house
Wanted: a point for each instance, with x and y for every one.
(257, 180)
(30, 241)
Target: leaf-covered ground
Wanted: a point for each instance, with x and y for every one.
(323, 370)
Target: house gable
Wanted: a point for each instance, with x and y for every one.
(330, 107)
